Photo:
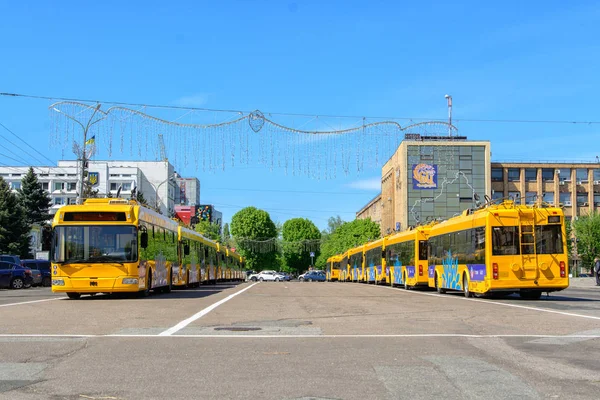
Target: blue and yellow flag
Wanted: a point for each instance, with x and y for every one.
(91, 140)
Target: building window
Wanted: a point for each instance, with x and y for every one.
(581, 175)
(114, 175)
(72, 175)
(42, 175)
(59, 201)
(565, 198)
(59, 186)
(497, 174)
(497, 195)
(45, 185)
(514, 174)
(597, 199)
(582, 200)
(15, 185)
(597, 176)
(547, 176)
(530, 197)
(72, 200)
(515, 196)
(114, 186)
(126, 186)
(71, 186)
(564, 175)
(549, 197)
(531, 175)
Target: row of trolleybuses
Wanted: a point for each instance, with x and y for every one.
(498, 249)
(119, 246)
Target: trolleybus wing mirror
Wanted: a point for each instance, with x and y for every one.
(144, 240)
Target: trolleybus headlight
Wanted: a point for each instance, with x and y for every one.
(130, 281)
(58, 282)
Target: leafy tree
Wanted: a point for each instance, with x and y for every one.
(299, 235)
(209, 230)
(141, 199)
(255, 235)
(587, 232)
(226, 236)
(14, 229)
(34, 199)
(347, 236)
(333, 223)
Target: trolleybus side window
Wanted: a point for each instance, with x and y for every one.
(549, 239)
(505, 240)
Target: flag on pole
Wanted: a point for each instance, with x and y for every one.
(91, 140)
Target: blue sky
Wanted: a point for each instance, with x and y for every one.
(503, 61)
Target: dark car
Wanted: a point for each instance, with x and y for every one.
(11, 259)
(14, 276)
(313, 276)
(43, 266)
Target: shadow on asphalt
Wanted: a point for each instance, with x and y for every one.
(190, 293)
(516, 297)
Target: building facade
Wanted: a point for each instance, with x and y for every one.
(187, 192)
(575, 186)
(156, 180)
(438, 179)
(433, 177)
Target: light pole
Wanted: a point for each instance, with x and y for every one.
(156, 188)
(449, 98)
(80, 152)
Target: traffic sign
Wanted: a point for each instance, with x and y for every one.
(312, 253)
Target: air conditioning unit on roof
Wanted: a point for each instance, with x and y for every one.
(567, 203)
(596, 182)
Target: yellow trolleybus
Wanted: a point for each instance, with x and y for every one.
(374, 262)
(506, 248)
(334, 272)
(356, 264)
(406, 257)
(112, 245)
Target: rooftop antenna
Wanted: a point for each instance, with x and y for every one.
(449, 98)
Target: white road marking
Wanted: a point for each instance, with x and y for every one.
(491, 302)
(202, 313)
(30, 302)
(255, 336)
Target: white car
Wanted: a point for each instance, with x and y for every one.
(269, 276)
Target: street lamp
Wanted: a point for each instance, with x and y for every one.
(157, 200)
(80, 152)
(449, 98)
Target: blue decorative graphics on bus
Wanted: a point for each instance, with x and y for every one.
(398, 275)
(371, 273)
(450, 277)
(477, 272)
(410, 271)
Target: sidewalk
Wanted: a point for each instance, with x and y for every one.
(583, 282)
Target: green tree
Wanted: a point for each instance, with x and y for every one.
(346, 236)
(14, 229)
(587, 232)
(255, 235)
(333, 223)
(300, 237)
(209, 230)
(226, 236)
(34, 199)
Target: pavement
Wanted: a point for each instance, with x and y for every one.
(293, 340)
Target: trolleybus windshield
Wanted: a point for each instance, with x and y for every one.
(94, 244)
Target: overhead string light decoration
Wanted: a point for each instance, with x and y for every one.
(235, 138)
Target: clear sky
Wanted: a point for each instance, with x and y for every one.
(512, 60)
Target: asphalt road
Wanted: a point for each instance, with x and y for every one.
(299, 341)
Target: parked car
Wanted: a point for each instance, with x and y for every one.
(14, 276)
(310, 276)
(11, 259)
(286, 276)
(43, 266)
(269, 276)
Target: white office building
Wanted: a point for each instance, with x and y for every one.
(155, 179)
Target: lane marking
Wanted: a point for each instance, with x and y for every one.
(400, 290)
(356, 336)
(30, 302)
(201, 313)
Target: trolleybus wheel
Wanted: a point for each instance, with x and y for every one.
(146, 291)
(73, 295)
(466, 286)
(439, 289)
(168, 288)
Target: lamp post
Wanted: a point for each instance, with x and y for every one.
(449, 98)
(157, 200)
(80, 152)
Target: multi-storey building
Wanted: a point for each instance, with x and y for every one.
(438, 179)
(156, 180)
(429, 177)
(188, 191)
